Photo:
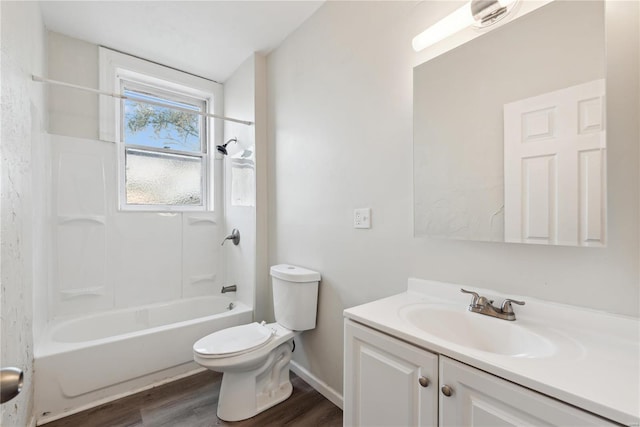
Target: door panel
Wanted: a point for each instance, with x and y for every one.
(382, 377)
(554, 167)
(479, 399)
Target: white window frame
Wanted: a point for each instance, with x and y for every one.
(115, 68)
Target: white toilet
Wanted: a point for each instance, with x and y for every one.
(254, 358)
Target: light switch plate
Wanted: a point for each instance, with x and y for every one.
(362, 218)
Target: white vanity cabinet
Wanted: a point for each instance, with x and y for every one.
(387, 381)
(481, 399)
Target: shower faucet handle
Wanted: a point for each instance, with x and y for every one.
(234, 237)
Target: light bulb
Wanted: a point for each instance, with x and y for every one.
(453, 23)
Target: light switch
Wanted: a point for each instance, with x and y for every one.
(362, 218)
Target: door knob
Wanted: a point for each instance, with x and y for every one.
(10, 383)
(424, 381)
(446, 390)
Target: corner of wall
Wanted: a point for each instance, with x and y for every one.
(23, 118)
(264, 307)
(240, 170)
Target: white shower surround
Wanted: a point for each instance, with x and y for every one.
(140, 261)
(86, 360)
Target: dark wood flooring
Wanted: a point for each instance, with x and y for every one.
(192, 402)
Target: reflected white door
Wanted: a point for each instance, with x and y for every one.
(555, 167)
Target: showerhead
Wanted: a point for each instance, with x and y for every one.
(222, 149)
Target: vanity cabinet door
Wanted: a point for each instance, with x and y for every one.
(481, 399)
(387, 382)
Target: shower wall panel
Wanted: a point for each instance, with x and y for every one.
(105, 258)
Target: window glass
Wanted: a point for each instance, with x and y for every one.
(163, 179)
(165, 164)
(154, 126)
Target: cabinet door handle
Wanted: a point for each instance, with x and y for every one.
(424, 381)
(446, 390)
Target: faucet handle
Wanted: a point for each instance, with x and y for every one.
(476, 297)
(234, 237)
(506, 305)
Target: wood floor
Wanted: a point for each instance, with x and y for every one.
(192, 402)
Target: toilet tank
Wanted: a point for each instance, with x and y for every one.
(295, 296)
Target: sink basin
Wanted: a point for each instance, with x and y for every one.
(477, 331)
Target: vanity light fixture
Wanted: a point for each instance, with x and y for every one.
(477, 13)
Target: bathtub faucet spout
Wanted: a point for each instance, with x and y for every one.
(230, 288)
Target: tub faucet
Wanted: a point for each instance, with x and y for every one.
(230, 288)
(234, 237)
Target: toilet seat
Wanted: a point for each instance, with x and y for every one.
(234, 341)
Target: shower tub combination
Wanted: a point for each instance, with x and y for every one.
(88, 360)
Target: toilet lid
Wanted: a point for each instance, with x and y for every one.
(235, 340)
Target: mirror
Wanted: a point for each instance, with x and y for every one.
(509, 132)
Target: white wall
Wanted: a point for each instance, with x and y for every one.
(340, 137)
(21, 227)
(72, 112)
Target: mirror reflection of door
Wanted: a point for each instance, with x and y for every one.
(458, 122)
(554, 167)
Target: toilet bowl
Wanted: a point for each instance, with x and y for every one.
(254, 358)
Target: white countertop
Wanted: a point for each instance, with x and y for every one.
(595, 365)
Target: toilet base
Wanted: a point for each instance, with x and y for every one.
(267, 400)
(245, 394)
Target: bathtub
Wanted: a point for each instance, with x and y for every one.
(85, 361)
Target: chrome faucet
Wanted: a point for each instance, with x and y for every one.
(230, 288)
(483, 305)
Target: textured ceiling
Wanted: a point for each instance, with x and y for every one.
(207, 38)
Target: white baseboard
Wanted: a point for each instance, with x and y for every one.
(320, 386)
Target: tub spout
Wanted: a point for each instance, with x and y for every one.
(230, 288)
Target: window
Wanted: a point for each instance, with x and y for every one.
(165, 148)
(165, 162)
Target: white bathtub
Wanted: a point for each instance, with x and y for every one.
(85, 361)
